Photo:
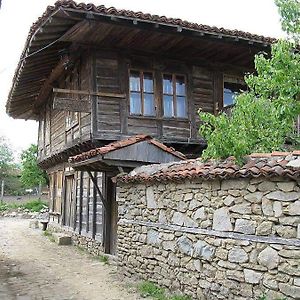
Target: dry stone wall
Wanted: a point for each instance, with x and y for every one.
(230, 239)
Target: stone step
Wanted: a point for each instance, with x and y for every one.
(62, 239)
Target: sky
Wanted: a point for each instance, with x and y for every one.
(16, 17)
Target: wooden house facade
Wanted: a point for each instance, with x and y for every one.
(93, 75)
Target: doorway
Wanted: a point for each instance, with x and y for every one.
(110, 217)
(69, 202)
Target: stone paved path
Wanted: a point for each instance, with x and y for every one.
(34, 268)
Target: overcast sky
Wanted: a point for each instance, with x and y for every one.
(16, 17)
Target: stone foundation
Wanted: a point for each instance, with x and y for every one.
(231, 239)
(90, 245)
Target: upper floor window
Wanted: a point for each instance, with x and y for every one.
(174, 96)
(141, 93)
(232, 87)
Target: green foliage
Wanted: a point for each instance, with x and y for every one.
(263, 117)
(150, 289)
(31, 175)
(6, 158)
(35, 205)
(290, 16)
(47, 233)
(8, 206)
(104, 259)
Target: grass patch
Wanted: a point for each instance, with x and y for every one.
(33, 205)
(150, 289)
(104, 259)
(49, 235)
(7, 206)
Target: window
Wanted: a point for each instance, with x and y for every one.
(174, 96)
(141, 93)
(232, 87)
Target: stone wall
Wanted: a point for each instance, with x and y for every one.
(92, 246)
(230, 239)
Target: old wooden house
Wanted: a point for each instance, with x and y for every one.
(92, 76)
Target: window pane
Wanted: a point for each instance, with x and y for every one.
(135, 103)
(181, 107)
(167, 84)
(149, 107)
(180, 85)
(168, 106)
(135, 83)
(148, 82)
(228, 97)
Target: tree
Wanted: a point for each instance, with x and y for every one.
(263, 117)
(31, 174)
(6, 158)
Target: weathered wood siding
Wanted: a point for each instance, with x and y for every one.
(108, 110)
(60, 129)
(89, 210)
(112, 118)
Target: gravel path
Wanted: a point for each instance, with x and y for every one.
(34, 268)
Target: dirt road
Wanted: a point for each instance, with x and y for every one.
(34, 268)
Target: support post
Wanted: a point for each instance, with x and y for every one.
(2, 191)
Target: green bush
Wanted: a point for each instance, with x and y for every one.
(35, 205)
(150, 289)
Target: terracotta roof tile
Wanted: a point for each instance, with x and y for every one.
(121, 144)
(155, 18)
(256, 165)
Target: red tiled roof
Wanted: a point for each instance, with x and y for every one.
(121, 144)
(274, 164)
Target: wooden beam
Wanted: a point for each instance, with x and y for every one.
(104, 201)
(79, 92)
(48, 84)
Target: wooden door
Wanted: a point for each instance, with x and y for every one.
(110, 218)
(69, 202)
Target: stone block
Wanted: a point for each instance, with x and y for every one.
(287, 186)
(62, 239)
(234, 184)
(151, 203)
(244, 208)
(294, 208)
(283, 196)
(267, 207)
(221, 220)
(265, 228)
(254, 197)
(185, 245)
(199, 214)
(269, 258)
(229, 200)
(266, 186)
(290, 290)
(237, 255)
(252, 276)
(203, 250)
(153, 237)
(277, 208)
(245, 226)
